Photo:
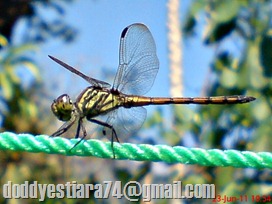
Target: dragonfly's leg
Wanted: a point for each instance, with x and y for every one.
(110, 127)
(79, 126)
(105, 125)
(64, 128)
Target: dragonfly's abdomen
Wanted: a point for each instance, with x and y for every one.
(144, 101)
(94, 101)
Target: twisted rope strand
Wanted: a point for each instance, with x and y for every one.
(141, 152)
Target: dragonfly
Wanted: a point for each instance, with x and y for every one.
(122, 104)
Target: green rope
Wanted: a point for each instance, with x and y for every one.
(140, 152)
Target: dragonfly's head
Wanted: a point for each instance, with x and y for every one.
(63, 107)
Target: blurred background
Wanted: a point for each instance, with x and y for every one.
(205, 48)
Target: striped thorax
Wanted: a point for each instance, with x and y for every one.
(94, 101)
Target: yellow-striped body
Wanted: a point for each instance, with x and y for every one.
(94, 101)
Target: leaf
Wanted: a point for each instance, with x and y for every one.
(189, 26)
(261, 110)
(252, 71)
(10, 72)
(266, 55)
(228, 78)
(217, 31)
(191, 19)
(33, 69)
(224, 11)
(6, 86)
(3, 41)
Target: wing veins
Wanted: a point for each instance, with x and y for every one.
(92, 81)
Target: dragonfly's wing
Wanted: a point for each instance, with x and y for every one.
(126, 121)
(138, 62)
(92, 81)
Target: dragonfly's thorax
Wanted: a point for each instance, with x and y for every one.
(94, 101)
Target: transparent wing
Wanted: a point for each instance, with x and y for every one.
(94, 82)
(138, 62)
(126, 121)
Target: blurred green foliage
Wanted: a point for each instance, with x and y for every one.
(246, 24)
(241, 33)
(17, 103)
(21, 88)
(39, 28)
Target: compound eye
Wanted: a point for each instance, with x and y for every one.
(65, 99)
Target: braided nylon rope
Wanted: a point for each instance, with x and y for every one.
(140, 152)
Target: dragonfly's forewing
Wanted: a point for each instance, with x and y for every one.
(94, 82)
(138, 62)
